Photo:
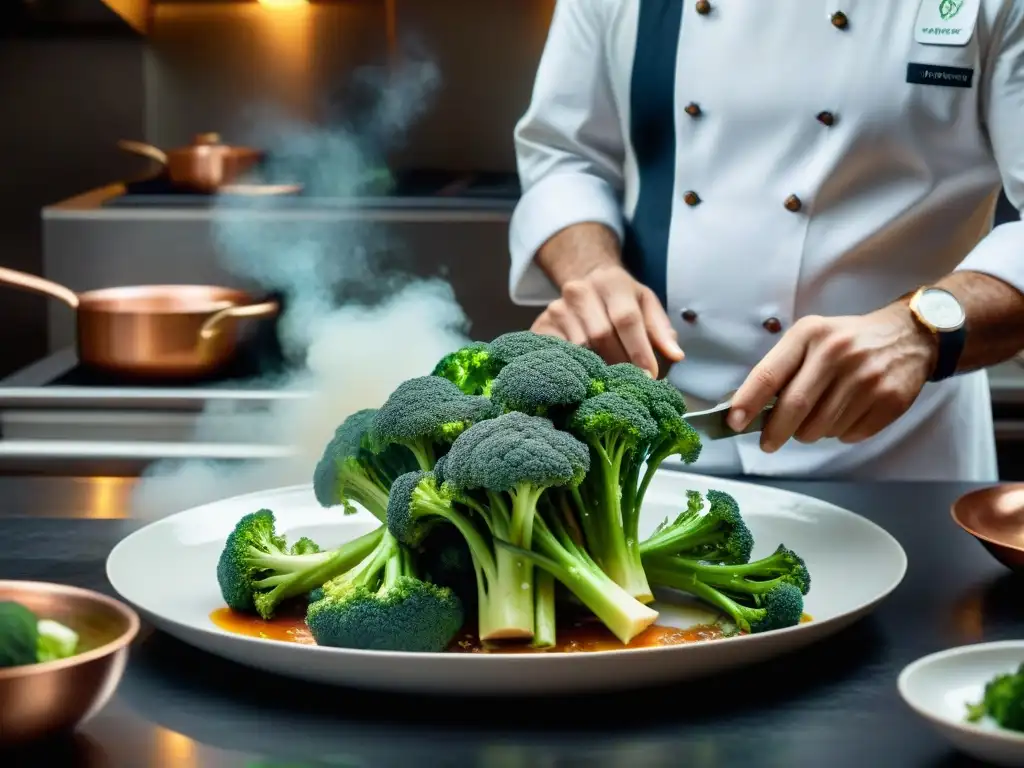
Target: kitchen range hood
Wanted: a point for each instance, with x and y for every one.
(29, 18)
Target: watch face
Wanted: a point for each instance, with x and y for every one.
(941, 309)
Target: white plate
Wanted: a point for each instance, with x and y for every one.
(939, 686)
(167, 570)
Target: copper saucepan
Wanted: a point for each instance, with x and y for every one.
(153, 331)
(207, 165)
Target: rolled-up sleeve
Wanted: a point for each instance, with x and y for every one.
(569, 146)
(1001, 253)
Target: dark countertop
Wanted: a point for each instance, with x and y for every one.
(833, 705)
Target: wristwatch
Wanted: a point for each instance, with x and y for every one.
(941, 313)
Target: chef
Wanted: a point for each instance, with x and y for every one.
(787, 199)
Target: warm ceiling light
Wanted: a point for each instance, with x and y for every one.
(282, 3)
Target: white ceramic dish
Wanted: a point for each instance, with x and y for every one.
(938, 687)
(167, 570)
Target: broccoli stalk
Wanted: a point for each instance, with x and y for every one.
(349, 471)
(382, 605)
(501, 468)
(613, 428)
(424, 415)
(561, 555)
(505, 610)
(779, 607)
(752, 579)
(257, 572)
(719, 535)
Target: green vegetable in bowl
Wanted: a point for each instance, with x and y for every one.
(1003, 701)
(26, 639)
(19, 635)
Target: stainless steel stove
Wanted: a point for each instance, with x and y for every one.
(55, 413)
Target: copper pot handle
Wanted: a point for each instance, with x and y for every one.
(35, 284)
(212, 326)
(145, 150)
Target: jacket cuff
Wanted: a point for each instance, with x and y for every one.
(1000, 254)
(551, 205)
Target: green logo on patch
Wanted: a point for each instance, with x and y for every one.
(950, 8)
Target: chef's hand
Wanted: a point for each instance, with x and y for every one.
(841, 377)
(614, 315)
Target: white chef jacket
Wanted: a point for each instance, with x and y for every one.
(761, 162)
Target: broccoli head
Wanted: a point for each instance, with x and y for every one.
(719, 534)
(350, 471)
(514, 452)
(425, 415)
(471, 368)
(1003, 701)
(541, 382)
(382, 605)
(510, 346)
(257, 572)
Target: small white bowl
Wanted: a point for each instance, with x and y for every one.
(939, 687)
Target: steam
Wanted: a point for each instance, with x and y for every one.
(355, 324)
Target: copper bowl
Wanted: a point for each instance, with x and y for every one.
(41, 700)
(995, 517)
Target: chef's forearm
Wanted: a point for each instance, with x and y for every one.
(995, 318)
(578, 250)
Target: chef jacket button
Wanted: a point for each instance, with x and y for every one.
(839, 20)
(689, 315)
(772, 325)
(703, 7)
(691, 199)
(826, 118)
(692, 109)
(793, 203)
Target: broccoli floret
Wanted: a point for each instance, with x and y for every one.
(257, 572)
(1003, 701)
(27, 639)
(615, 429)
(744, 581)
(513, 459)
(419, 507)
(542, 382)
(780, 606)
(382, 605)
(718, 535)
(425, 415)
(471, 369)
(495, 475)
(510, 346)
(19, 635)
(474, 367)
(349, 471)
(305, 546)
(559, 551)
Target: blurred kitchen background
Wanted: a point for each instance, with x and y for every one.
(77, 76)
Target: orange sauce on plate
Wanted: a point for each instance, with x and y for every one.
(582, 637)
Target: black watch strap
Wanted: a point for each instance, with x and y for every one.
(951, 346)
